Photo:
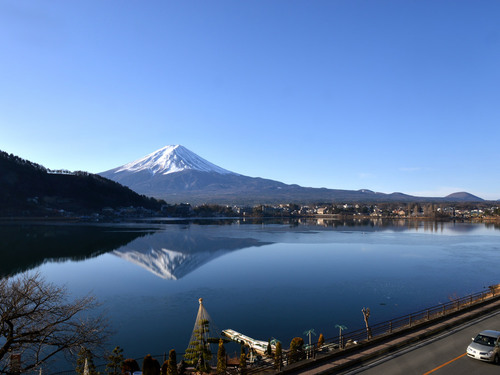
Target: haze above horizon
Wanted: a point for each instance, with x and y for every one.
(381, 95)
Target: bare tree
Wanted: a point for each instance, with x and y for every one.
(366, 315)
(37, 323)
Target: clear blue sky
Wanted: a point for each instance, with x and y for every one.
(386, 95)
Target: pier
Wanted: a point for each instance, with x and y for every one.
(257, 345)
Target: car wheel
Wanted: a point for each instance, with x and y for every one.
(496, 360)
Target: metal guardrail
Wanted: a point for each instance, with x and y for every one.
(338, 343)
(418, 317)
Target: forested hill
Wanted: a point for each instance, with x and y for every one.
(27, 188)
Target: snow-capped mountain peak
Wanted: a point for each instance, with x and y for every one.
(171, 159)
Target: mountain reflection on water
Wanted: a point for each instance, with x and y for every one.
(26, 246)
(170, 253)
(174, 254)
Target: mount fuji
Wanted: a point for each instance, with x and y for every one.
(178, 175)
(170, 159)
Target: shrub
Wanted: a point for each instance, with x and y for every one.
(321, 340)
(150, 366)
(296, 347)
(130, 365)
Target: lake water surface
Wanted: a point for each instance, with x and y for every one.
(261, 279)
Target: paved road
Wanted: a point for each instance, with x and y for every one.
(442, 355)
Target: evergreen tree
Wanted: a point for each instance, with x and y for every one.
(243, 363)
(269, 350)
(115, 362)
(172, 363)
(198, 353)
(278, 356)
(85, 357)
(221, 358)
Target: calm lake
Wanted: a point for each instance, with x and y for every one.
(261, 279)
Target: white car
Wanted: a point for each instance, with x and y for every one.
(485, 347)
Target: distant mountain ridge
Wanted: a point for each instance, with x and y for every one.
(178, 175)
(463, 196)
(28, 189)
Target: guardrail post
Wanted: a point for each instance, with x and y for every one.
(410, 321)
(390, 326)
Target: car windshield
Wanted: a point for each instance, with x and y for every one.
(485, 340)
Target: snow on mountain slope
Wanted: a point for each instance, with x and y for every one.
(171, 159)
(165, 263)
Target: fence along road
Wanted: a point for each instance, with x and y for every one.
(441, 355)
(392, 335)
